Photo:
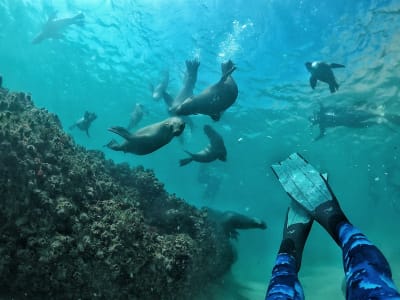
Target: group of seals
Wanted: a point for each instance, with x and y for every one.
(323, 72)
(53, 29)
(213, 101)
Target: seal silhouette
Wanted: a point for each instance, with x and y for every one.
(323, 72)
(85, 122)
(147, 139)
(215, 150)
(214, 100)
(54, 27)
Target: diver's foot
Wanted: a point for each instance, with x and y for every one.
(295, 232)
(307, 187)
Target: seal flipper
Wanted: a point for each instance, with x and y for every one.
(168, 99)
(313, 82)
(87, 132)
(225, 75)
(113, 145)
(121, 131)
(187, 160)
(333, 87)
(334, 65)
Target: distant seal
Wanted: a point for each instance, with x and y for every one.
(323, 72)
(215, 150)
(1, 81)
(230, 221)
(214, 100)
(53, 29)
(158, 91)
(147, 139)
(335, 116)
(136, 116)
(85, 122)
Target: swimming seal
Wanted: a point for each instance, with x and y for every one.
(158, 91)
(230, 221)
(215, 150)
(85, 122)
(335, 116)
(323, 72)
(54, 27)
(136, 116)
(214, 100)
(147, 139)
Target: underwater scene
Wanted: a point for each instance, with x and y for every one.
(137, 139)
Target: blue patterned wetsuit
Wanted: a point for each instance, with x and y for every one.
(368, 274)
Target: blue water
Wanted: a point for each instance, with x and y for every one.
(106, 66)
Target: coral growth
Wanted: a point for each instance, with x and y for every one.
(77, 226)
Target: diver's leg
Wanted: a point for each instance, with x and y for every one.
(368, 274)
(284, 283)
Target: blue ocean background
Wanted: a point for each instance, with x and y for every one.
(106, 67)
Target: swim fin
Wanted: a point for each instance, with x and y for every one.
(303, 183)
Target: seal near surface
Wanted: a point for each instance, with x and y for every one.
(54, 27)
(147, 139)
(323, 72)
(215, 150)
(214, 100)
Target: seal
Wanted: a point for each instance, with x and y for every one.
(85, 122)
(1, 81)
(329, 117)
(323, 72)
(230, 221)
(136, 116)
(147, 139)
(215, 150)
(53, 29)
(157, 92)
(189, 83)
(214, 100)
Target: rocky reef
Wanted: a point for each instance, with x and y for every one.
(74, 225)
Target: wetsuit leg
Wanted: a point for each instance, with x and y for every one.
(284, 283)
(368, 274)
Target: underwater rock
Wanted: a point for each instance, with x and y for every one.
(77, 226)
